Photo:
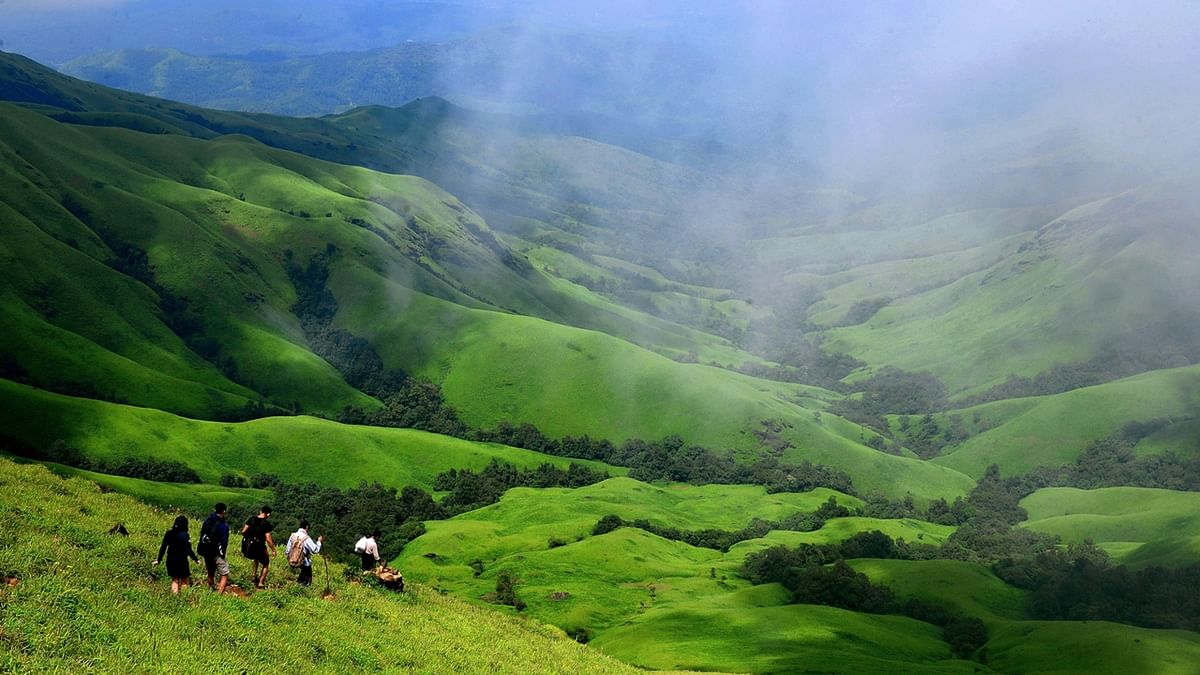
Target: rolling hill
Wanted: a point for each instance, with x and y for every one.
(213, 234)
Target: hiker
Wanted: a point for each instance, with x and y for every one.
(178, 547)
(368, 549)
(214, 540)
(256, 537)
(299, 552)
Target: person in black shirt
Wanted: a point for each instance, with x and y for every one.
(178, 547)
(256, 537)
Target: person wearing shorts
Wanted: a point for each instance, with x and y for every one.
(214, 549)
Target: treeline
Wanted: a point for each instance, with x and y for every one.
(420, 406)
(1072, 584)
(674, 460)
(1110, 462)
(1154, 348)
(1082, 584)
(470, 490)
(896, 392)
(148, 468)
(345, 515)
(722, 540)
(315, 307)
(819, 575)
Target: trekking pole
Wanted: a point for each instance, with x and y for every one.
(326, 559)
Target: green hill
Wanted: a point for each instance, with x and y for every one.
(94, 601)
(413, 272)
(1057, 428)
(968, 588)
(1102, 276)
(1140, 527)
(298, 449)
(1091, 647)
(790, 638)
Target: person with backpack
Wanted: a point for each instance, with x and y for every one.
(367, 549)
(256, 538)
(214, 540)
(178, 547)
(300, 550)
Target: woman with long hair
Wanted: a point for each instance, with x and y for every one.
(178, 546)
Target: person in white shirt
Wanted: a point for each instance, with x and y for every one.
(304, 548)
(368, 549)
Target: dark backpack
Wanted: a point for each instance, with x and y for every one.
(253, 540)
(207, 546)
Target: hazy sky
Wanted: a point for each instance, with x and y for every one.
(876, 79)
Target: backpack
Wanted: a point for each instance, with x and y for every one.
(207, 546)
(253, 539)
(361, 546)
(295, 555)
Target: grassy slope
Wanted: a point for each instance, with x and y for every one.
(296, 448)
(1092, 274)
(838, 529)
(1057, 428)
(966, 587)
(789, 638)
(1018, 646)
(1138, 526)
(93, 602)
(1091, 647)
(566, 380)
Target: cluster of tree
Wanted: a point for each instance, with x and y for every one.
(712, 538)
(1082, 584)
(672, 459)
(413, 404)
(506, 590)
(161, 470)
(352, 356)
(343, 516)
(722, 540)
(800, 358)
(861, 311)
(893, 391)
(1112, 363)
(1110, 462)
(927, 438)
(939, 510)
(471, 490)
(807, 573)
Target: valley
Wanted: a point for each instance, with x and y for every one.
(693, 405)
